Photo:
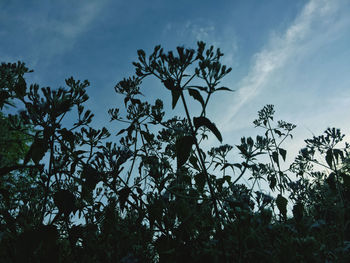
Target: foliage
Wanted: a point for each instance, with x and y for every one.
(70, 195)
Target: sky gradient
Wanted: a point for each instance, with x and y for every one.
(293, 54)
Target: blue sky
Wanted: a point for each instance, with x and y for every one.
(293, 54)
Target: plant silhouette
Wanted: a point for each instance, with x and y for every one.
(73, 194)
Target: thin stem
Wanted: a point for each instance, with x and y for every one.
(133, 160)
(211, 189)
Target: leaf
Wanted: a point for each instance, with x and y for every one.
(200, 88)
(242, 149)
(4, 95)
(155, 212)
(238, 165)
(272, 181)
(282, 205)
(67, 136)
(346, 179)
(298, 211)
(193, 160)
(20, 88)
(123, 196)
(203, 121)
(148, 137)
(135, 101)
(141, 55)
(329, 158)
(65, 201)
(175, 91)
(196, 95)
(200, 181)
(219, 183)
(175, 94)
(126, 99)
(227, 165)
(38, 150)
(275, 157)
(331, 181)
(121, 131)
(183, 149)
(169, 84)
(278, 132)
(79, 152)
(250, 142)
(224, 88)
(216, 165)
(283, 153)
(91, 177)
(227, 178)
(338, 153)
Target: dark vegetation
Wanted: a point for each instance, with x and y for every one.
(67, 194)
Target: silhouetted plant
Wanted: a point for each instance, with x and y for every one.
(69, 195)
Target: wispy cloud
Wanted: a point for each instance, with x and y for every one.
(195, 30)
(77, 24)
(49, 29)
(280, 49)
(200, 33)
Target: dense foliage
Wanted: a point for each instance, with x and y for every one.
(69, 194)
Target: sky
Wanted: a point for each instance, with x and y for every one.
(293, 54)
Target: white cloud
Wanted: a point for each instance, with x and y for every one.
(279, 50)
(200, 33)
(49, 29)
(84, 16)
(302, 71)
(195, 30)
